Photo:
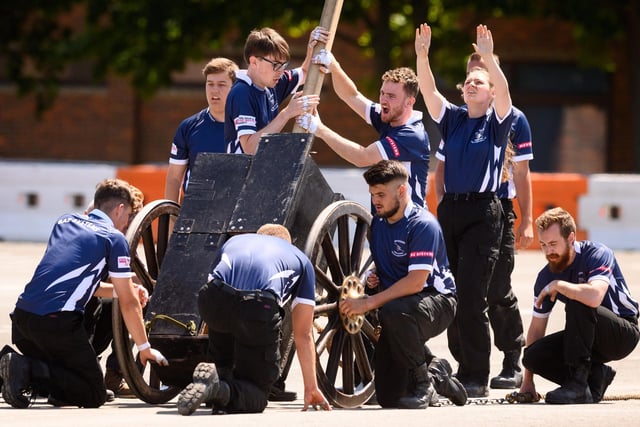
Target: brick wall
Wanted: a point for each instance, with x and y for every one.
(108, 123)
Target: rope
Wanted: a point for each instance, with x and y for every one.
(189, 327)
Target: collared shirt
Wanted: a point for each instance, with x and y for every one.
(261, 262)
(407, 143)
(200, 133)
(593, 261)
(415, 242)
(82, 250)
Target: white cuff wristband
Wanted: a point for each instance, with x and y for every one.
(143, 347)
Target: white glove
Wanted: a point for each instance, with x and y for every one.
(308, 122)
(160, 359)
(324, 58)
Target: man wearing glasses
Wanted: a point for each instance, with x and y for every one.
(252, 108)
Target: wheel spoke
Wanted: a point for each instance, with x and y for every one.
(362, 359)
(366, 266)
(326, 337)
(343, 244)
(150, 251)
(325, 309)
(359, 239)
(164, 225)
(333, 363)
(332, 259)
(325, 282)
(348, 378)
(138, 267)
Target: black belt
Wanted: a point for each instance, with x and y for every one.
(244, 294)
(469, 196)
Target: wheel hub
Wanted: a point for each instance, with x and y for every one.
(351, 288)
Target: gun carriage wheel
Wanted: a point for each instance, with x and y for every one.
(337, 246)
(148, 238)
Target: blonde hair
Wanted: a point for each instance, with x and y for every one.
(275, 230)
(221, 65)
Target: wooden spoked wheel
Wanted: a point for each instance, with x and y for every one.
(148, 238)
(338, 247)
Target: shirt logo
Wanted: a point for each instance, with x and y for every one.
(124, 261)
(399, 249)
(524, 145)
(417, 254)
(244, 121)
(174, 149)
(478, 137)
(394, 146)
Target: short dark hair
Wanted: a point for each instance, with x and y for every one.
(111, 192)
(557, 216)
(264, 42)
(406, 76)
(386, 171)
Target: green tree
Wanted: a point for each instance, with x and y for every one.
(147, 41)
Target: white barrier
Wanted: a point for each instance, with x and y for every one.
(34, 194)
(349, 182)
(609, 212)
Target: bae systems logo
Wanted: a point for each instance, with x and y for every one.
(524, 145)
(399, 248)
(123, 262)
(244, 121)
(394, 146)
(419, 254)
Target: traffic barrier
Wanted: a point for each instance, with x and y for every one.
(35, 194)
(149, 179)
(551, 190)
(609, 210)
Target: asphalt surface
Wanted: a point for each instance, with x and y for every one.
(620, 407)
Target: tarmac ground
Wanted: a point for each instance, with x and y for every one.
(621, 405)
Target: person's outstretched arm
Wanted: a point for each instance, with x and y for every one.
(432, 97)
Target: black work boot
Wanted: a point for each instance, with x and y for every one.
(15, 369)
(423, 391)
(574, 390)
(511, 375)
(206, 387)
(5, 350)
(445, 384)
(599, 379)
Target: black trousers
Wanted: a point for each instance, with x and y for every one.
(591, 335)
(407, 323)
(504, 315)
(472, 229)
(60, 341)
(98, 323)
(244, 337)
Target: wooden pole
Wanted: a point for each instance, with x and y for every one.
(315, 78)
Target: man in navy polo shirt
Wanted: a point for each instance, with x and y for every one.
(402, 133)
(203, 131)
(601, 317)
(253, 104)
(47, 323)
(416, 292)
(256, 275)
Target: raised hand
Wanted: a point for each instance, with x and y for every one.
(423, 40)
(484, 41)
